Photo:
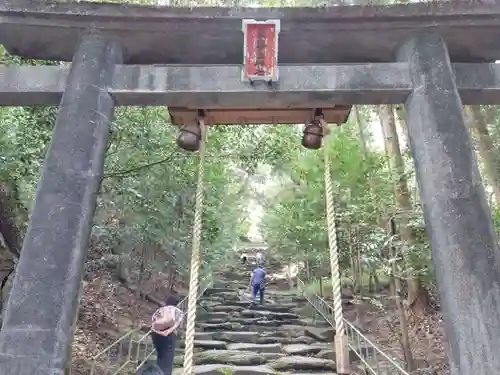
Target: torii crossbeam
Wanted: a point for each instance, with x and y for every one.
(431, 57)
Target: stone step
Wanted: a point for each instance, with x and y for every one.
(228, 369)
(210, 344)
(204, 336)
(235, 336)
(219, 320)
(302, 363)
(265, 337)
(215, 315)
(306, 350)
(226, 308)
(214, 290)
(230, 357)
(317, 333)
(284, 340)
(284, 308)
(259, 348)
(221, 293)
(271, 315)
(272, 322)
(258, 322)
(321, 333)
(211, 327)
(319, 323)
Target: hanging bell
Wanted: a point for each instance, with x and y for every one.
(189, 137)
(313, 135)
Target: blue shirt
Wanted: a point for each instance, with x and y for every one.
(258, 276)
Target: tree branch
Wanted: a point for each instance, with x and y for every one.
(126, 172)
(123, 173)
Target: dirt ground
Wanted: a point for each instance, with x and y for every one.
(427, 338)
(108, 310)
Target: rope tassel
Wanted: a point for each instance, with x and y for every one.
(195, 258)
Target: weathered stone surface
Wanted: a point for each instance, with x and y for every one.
(234, 370)
(237, 336)
(208, 304)
(466, 28)
(212, 291)
(242, 304)
(216, 321)
(271, 340)
(297, 363)
(281, 333)
(210, 344)
(260, 348)
(271, 315)
(302, 340)
(225, 294)
(217, 315)
(302, 349)
(246, 321)
(277, 336)
(262, 323)
(272, 323)
(226, 308)
(320, 334)
(230, 357)
(285, 340)
(292, 328)
(327, 354)
(216, 326)
(39, 318)
(456, 210)
(282, 308)
(315, 323)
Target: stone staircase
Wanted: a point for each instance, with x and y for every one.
(232, 338)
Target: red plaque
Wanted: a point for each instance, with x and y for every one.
(260, 50)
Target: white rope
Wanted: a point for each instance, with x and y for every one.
(195, 260)
(332, 242)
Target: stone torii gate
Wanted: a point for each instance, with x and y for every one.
(328, 57)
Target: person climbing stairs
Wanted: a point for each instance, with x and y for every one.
(233, 338)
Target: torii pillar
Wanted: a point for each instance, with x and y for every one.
(465, 252)
(37, 329)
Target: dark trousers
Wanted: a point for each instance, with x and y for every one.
(258, 289)
(165, 351)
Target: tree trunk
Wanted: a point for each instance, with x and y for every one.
(479, 129)
(10, 239)
(8, 220)
(361, 131)
(396, 282)
(401, 121)
(386, 113)
(124, 268)
(359, 268)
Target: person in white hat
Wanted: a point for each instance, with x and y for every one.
(164, 324)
